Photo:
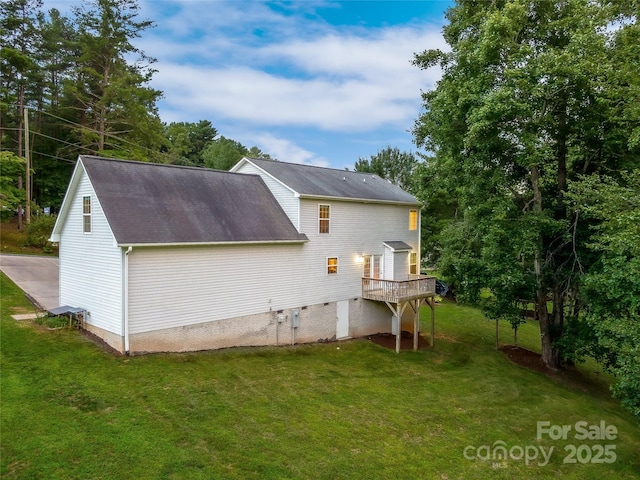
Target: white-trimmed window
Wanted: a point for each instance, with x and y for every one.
(413, 219)
(332, 265)
(413, 263)
(86, 214)
(324, 217)
(372, 266)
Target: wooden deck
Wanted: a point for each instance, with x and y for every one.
(394, 291)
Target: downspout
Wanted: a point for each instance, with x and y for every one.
(125, 302)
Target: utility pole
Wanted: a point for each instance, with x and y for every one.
(20, 212)
(28, 161)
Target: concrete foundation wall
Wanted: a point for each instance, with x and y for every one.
(112, 339)
(317, 323)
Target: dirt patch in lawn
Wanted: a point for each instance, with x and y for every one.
(388, 340)
(526, 358)
(569, 374)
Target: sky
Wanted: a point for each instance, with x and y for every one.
(316, 82)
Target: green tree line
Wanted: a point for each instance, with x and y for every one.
(534, 140)
(87, 91)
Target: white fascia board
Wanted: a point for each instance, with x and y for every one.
(66, 201)
(202, 244)
(359, 200)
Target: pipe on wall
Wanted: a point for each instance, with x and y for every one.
(125, 300)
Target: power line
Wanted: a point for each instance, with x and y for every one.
(59, 140)
(54, 157)
(92, 130)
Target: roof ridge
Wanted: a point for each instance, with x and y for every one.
(315, 166)
(155, 164)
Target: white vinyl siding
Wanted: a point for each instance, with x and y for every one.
(356, 229)
(91, 265)
(389, 272)
(400, 265)
(396, 264)
(284, 195)
(179, 286)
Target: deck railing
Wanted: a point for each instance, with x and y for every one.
(395, 291)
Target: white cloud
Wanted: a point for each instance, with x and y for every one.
(333, 82)
(280, 67)
(285, 150)
(257, 97)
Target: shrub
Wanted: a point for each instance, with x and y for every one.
(39, 231)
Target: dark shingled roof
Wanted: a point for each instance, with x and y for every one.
(314, 181)
(397, 245)
(148, 203)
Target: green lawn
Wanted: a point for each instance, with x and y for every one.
(73, 411)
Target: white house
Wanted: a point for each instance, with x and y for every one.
(169, 258)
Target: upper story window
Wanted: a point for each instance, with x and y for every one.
(332, 265)
(324, 217)
(413, 263)
(86, 214)
(413, 219)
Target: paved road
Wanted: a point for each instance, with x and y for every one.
(37, 276)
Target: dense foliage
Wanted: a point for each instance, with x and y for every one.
(392, 164)
(87, 90)
(535, 98)
(609, 330)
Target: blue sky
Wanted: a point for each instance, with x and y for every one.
(315, 82)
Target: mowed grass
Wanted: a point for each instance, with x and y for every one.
(337, 411)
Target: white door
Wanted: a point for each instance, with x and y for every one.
(342, 327)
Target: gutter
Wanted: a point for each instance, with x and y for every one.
(303, 239)
(125, 302)
(360, 200)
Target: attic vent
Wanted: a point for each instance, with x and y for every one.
(344, 179)
(364, 180)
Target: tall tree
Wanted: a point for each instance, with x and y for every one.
(392, 164)
(12, 195)
(187, 141)
(18, 42)
(223, 154)
(255, 152)
(533, 94)
(114, 105)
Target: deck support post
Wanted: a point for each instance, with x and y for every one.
(416, 324)
(398, 311)
(415, 306)
(397, 294)
(432, 306)
(399, 331)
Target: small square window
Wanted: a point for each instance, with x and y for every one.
(332, 265)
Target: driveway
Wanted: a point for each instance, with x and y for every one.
(37, 276)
